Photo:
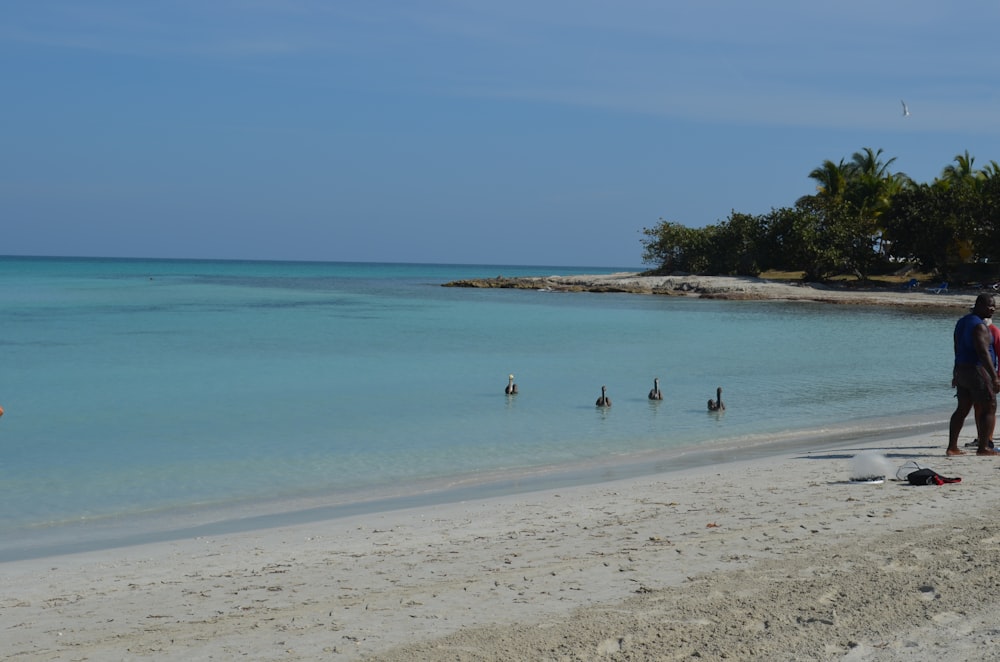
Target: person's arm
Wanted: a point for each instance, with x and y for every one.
(982, 339)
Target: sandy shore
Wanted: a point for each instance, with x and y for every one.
(732, 288)
(776, 559)
(773, 559)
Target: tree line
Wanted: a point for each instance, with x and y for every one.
(864, 219)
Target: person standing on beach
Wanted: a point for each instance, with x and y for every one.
(995, 333)
(975, 376)
(995, 337)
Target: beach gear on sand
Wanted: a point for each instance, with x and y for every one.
(975, 443)
(914, 474)
(869, 467)
(929, 477)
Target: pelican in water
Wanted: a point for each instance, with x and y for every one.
(655, 394)
(604, 400)
(717, 404)
(511, 386)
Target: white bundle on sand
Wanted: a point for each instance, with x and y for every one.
(869, 467)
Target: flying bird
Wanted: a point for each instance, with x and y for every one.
(906, 111)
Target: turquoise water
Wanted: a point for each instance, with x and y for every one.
(171, 394)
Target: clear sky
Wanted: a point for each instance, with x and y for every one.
(513, 132)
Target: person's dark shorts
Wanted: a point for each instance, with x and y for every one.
(973, 382)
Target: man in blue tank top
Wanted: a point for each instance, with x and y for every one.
(975, 376)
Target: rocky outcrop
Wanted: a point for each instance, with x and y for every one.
(726, 287)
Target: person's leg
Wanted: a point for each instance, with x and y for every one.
(957, 419)
(993, 425)
(989, 440)
(985, 422)
(976, 413)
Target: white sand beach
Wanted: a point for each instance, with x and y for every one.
(775, 559)
(782, 558)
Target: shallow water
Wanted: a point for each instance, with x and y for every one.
(147, 391)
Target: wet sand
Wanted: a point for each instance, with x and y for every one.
(776, 558)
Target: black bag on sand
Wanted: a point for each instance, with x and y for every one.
(929, 477)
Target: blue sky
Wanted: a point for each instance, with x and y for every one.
(546, 133)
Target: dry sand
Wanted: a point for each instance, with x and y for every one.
(773, 559)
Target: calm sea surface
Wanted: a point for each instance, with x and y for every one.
(145, 397)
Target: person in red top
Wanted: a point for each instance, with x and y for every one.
(995, 334)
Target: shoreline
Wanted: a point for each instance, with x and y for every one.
(125, 530)
(765, 552)
(772, 558)
(733, 288)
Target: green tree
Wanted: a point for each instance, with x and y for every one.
(736, 245)
(675, 247)
(966, 203)
(992, 171)
(872, 185)
(988, 241)
(860, 214)
(783, 246)
(825, 234)
(933, 225)
(845, 212)
(960, 174)
(831, 180)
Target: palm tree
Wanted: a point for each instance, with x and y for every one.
(961, 173)
(873, 184)
(992, 171)
(831, 181)
(850, 200)
(865, 182)
(868, 163)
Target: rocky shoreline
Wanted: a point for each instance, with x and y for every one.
(729, 288)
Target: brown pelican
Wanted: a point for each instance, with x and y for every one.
(604, 400)
(655, 393)
(511, 386)
(717, 404)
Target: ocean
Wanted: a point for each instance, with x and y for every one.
(149, 399)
